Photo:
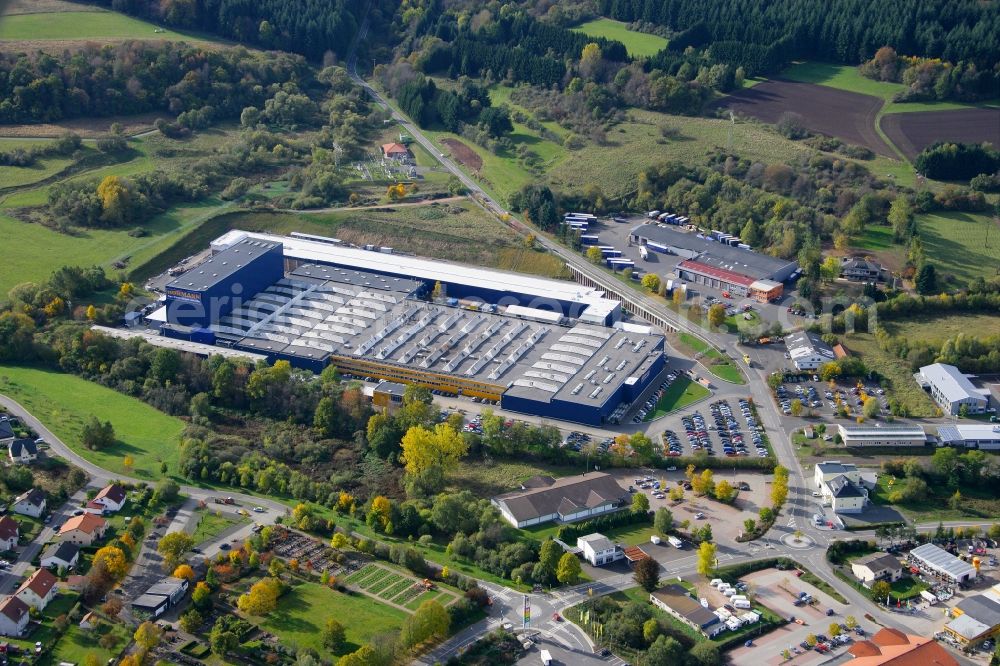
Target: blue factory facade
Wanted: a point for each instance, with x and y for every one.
(202, 296)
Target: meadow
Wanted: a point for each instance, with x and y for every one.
(638, 44)
(65, 402)
(84, 25)
(680, 393)
(963, 245)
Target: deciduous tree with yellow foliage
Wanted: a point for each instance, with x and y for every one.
(430, 454)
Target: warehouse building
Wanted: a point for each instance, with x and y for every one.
(941, 563)
(716, 264)
(889, 435)
(543, 347)
(977, 618)
(985, 436)
(952, 389)
(808, 351)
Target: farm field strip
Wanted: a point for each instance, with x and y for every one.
(396, 588)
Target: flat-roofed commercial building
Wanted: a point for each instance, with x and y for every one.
(890, 435)
(716, 264)
(985, 436)
(382, 325)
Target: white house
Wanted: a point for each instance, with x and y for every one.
(598, 549)
(110, 498)
(31, 503)
(62, 554)
(39, 589)
(877, 566)
(14, 616)
(22, 451)
(9, 533)
(951, 389)
(840, 486)
(808, 351)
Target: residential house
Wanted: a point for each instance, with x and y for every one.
(170, 587)
(856, 268)
(951, 389)
(676, 601)
(543, 499)
(877, 566)
(31, 503)
(598, 549)
(38, 589)
(6, 432)
(14, 616)
(891, 647)
(111, 498)
(9, 533)
(22, 451)
(807, 350)
(61, 554)
(84, 530)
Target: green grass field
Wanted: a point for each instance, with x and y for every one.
(301, 613)
(65, 402)
(83, 25)
(965, 245)
(717, 363)
(935, 329)
(904, 388)
(211, 524)
(43, 250)
(638, 44)
(681, 393)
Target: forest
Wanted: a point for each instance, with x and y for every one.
(932, 78)
(137, 77)
(847, 31)
(308, 27)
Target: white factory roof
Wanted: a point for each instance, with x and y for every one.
(969, 432)
(892, 430)
(179, 345)
(942, 560)
(424, 269)
(950, 381)
(533, 313)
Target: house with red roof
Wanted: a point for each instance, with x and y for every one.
(83, 530)
(891, 647)
(110, 498)
(38, 589)
(14, 616)
(395, 151)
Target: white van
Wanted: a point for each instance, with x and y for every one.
(716, 582)
(741, 603)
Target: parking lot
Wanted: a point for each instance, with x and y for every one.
(726, 520)
(725, 434)
(650, 404)
(825, 400)
(778, 591)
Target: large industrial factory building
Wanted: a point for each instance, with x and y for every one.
(545, 347)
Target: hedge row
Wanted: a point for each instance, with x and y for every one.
(569, 533)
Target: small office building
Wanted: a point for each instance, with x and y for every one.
(984, 436)
(676, 601)
(808, 351)
(859, 436)
(599, 549)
